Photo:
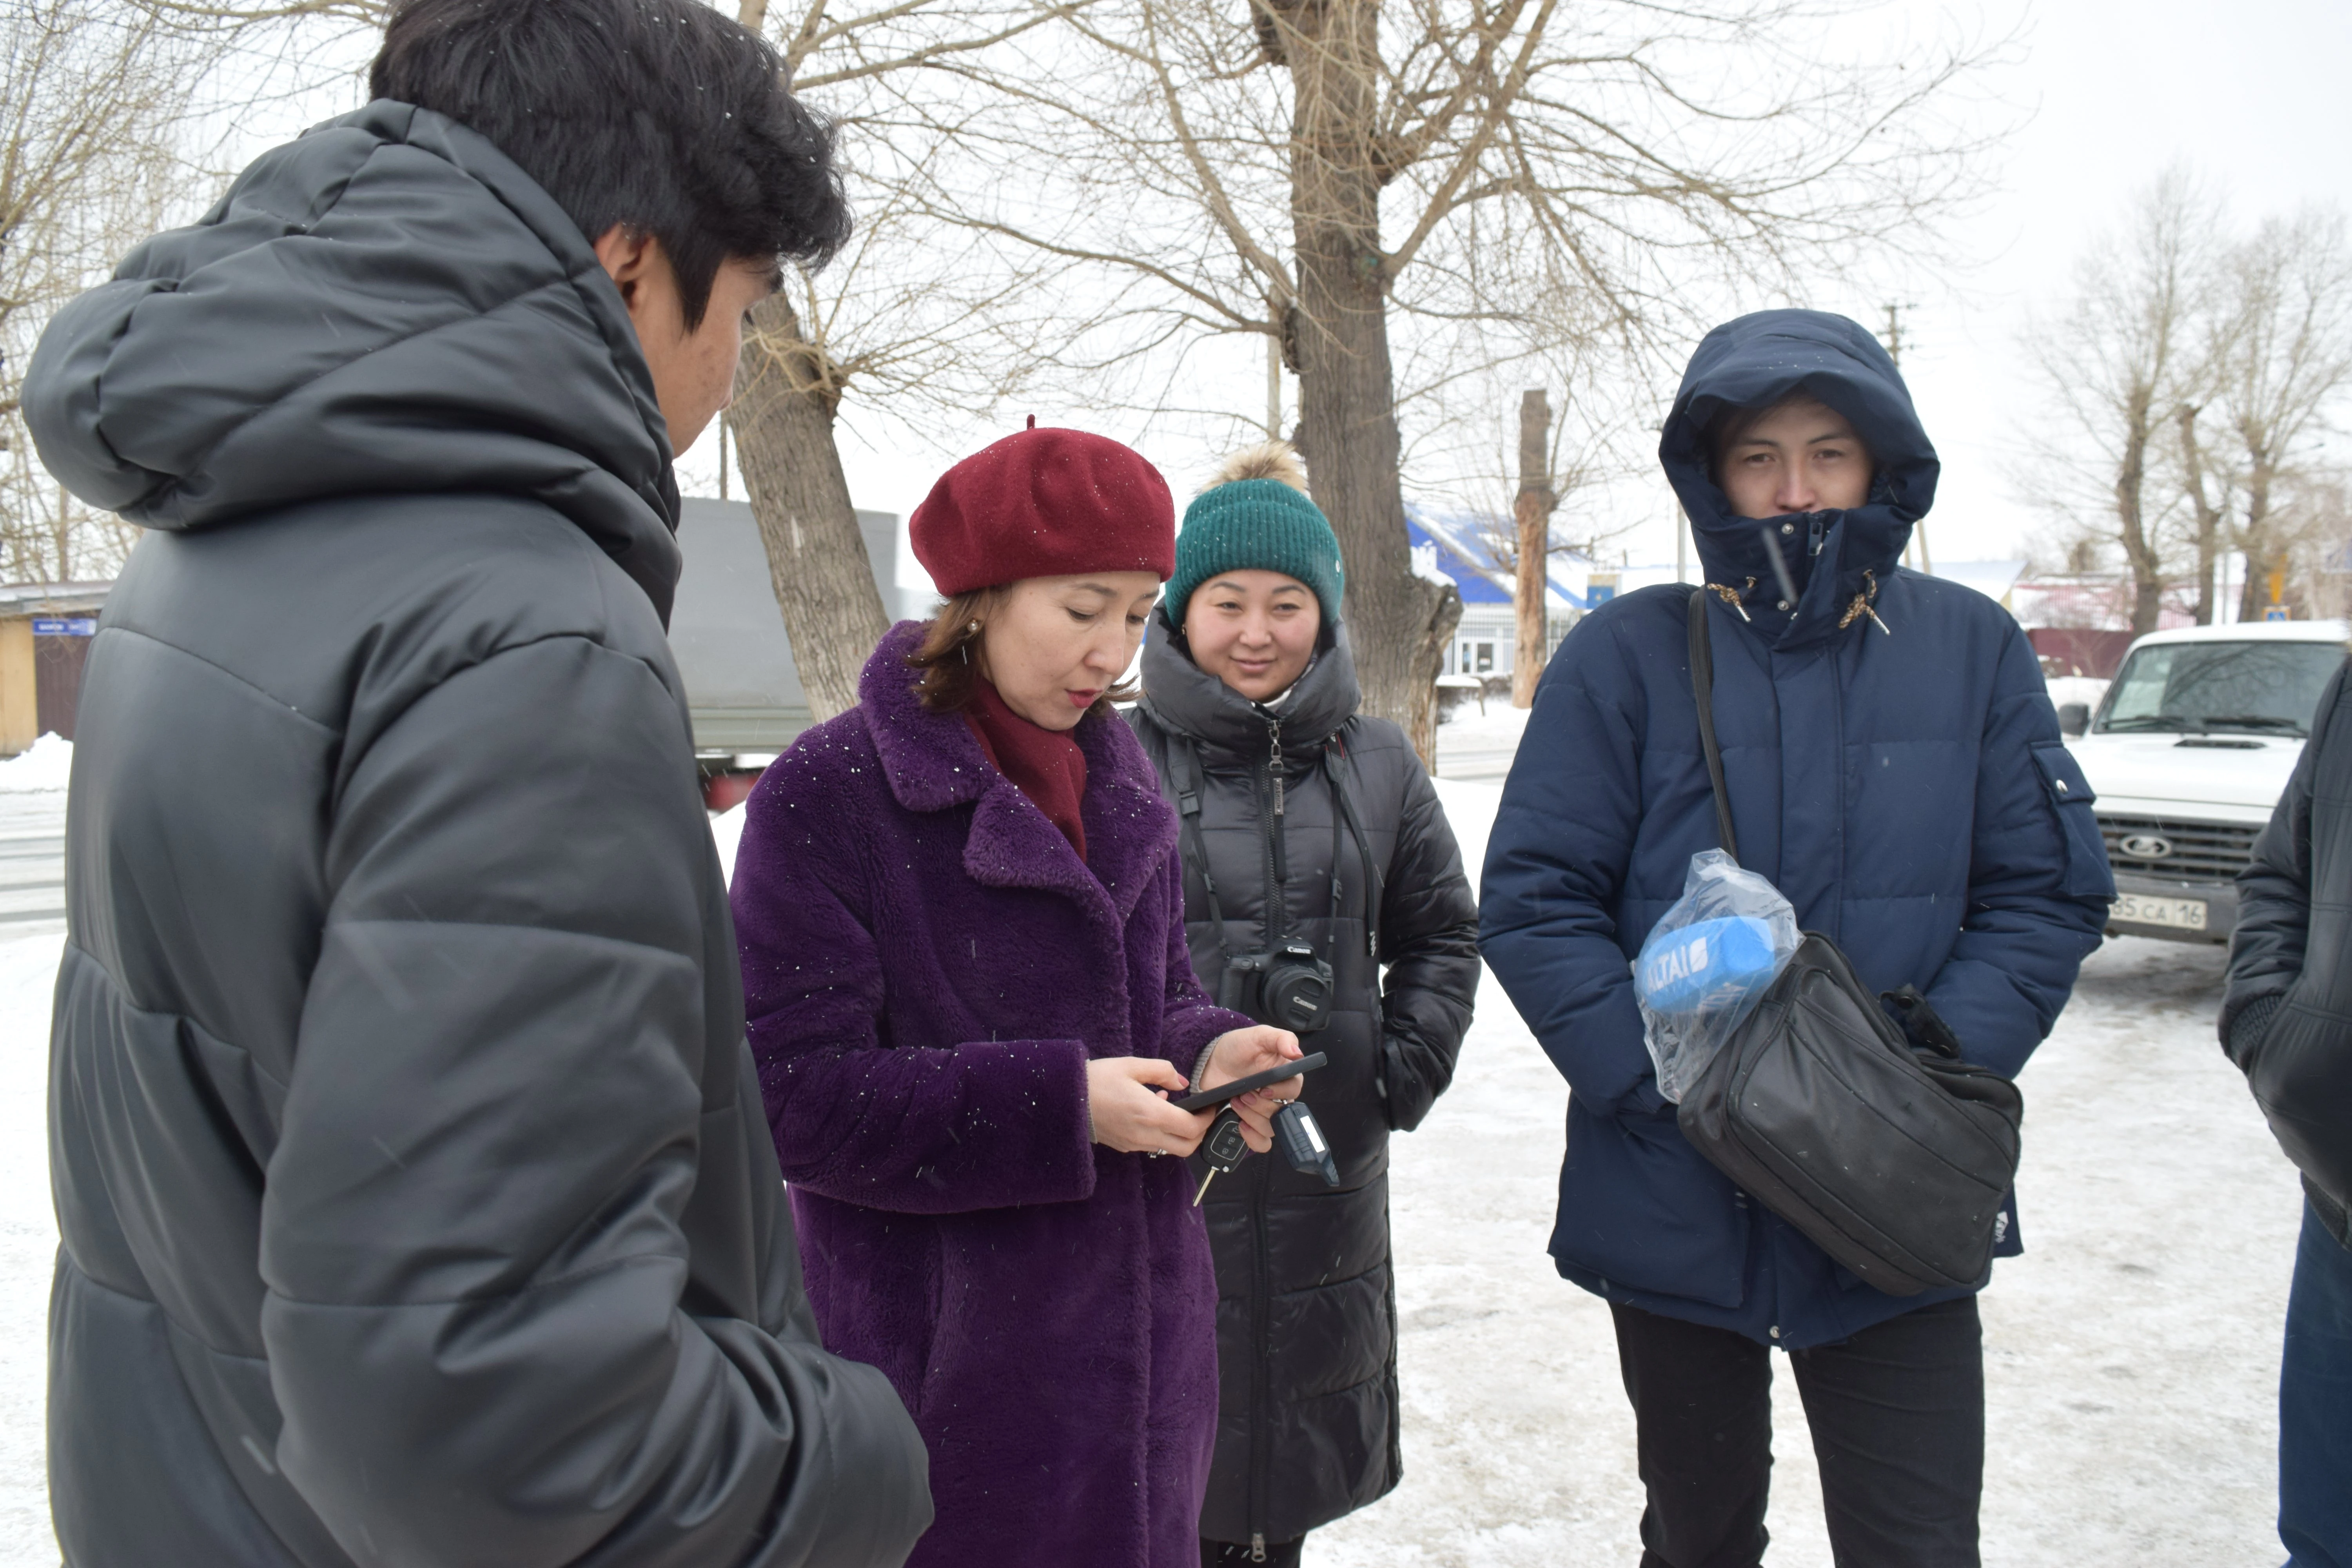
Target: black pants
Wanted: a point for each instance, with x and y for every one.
(1225, 1554)
(1897, 1418)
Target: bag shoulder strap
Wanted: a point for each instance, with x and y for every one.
(1701, 669)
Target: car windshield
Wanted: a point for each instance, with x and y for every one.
(2198, 688)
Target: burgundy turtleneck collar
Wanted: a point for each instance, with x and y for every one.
(1047, 766)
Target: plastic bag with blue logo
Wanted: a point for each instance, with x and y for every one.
(1706, 964)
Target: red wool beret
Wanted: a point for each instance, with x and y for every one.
(1045, 503)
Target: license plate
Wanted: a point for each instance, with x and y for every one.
(2182, 914)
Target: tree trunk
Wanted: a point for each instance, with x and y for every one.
(1534, 508)
(1431, 655)
(783, 418)
(1400, 622)
(2139, 552)
(2265, 556)
(2208, 515)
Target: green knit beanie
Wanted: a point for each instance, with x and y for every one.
(1255, 524)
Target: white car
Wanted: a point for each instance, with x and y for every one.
(2189, 751)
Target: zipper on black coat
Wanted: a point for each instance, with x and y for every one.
(1261, 1438)
(1278, 852)
(1274, 759)
(1278, 915)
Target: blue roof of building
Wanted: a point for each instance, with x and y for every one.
(1464, 554)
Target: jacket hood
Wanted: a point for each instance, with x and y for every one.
(388, 304)
(1758, 360)
(1185, 699)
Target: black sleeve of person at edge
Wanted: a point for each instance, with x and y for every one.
(480, 1323)
(2266, 946)
(1428, 942)
(2284, 1022)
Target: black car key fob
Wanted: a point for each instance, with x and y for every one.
(1223, 1149)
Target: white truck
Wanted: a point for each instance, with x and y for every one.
(2190, 750)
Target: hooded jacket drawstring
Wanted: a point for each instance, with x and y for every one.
(1862, 605)
(1752, 364)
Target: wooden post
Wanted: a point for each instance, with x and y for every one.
(20, 719)
(1533, 509)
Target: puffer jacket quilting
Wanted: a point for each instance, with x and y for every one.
(415, 1201)
(2287, 1018)
(1895, 768)
(1308, 1421)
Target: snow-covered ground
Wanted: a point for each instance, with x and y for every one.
(1479, 746)
(43, 768)
(2132, 1351)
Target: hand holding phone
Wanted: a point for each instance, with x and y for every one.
(1236, 1088)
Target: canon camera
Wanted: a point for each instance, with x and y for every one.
(1286, 986)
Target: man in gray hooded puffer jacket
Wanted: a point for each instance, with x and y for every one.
(416, 1198)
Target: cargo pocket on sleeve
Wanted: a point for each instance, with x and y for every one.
(2070, 795)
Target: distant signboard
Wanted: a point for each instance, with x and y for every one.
(72, 626)
(2275, 613)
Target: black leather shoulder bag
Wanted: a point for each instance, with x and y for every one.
(1892, 1158)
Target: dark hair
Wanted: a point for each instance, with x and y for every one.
(661, 116)
(944, 655)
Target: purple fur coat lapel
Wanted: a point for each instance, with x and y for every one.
(934, 763)
(929, 966)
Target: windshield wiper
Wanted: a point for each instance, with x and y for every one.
(2252, 722)
(2173, 722)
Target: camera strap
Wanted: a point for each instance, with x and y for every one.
(1184, 765)
(1185, 772)
(1335, 768)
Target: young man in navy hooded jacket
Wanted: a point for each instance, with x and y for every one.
(1896, 769)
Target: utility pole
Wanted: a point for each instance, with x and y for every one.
(1894, 339)
(1533, 508)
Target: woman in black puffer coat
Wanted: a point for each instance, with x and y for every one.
(1249, 690)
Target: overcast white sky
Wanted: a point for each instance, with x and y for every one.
(2251, 94)
(2105, 94)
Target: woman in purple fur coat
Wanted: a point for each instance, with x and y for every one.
(961, 923)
